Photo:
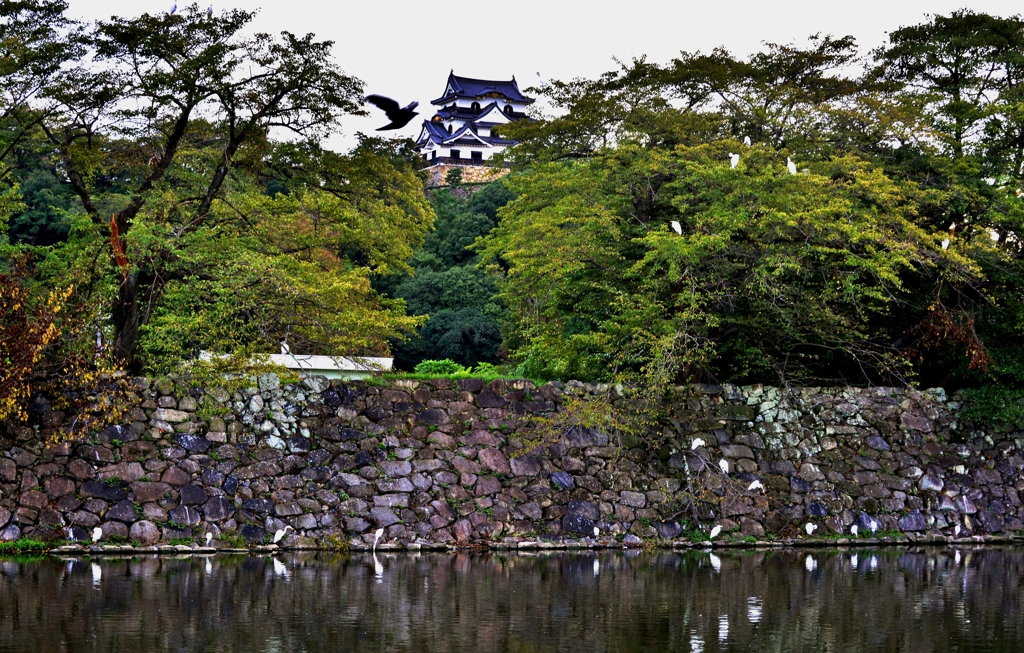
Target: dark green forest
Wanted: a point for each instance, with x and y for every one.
(812, 214)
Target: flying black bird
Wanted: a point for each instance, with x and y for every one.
(399, 117)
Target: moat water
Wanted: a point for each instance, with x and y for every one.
(857, 600)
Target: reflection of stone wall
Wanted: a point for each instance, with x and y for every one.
(910, 600)
(438, 463)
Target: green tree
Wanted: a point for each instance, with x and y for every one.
(822, 275)
(196, 229)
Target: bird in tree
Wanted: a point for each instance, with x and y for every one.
(399, 117)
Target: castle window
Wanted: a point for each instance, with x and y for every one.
(475, 106)
(455, 154)
(477, 156)
(449, 129)
(508, 109)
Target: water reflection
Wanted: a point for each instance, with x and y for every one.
(779, 601)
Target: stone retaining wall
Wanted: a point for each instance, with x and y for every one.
(441, 463)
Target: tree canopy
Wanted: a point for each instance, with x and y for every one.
(637, 248)
(206, 214)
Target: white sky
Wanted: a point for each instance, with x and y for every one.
(405, 49)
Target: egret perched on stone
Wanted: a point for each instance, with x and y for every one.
(279, 535)
(874, 527)
(697, 442)
(724, 465)
(376, 538)
(790, 166)
(209, 539)
(746, 141)
(714, 532)
(676, 227)
(597, 531)
(734, 160)
(853, 530)
(810, 528)
(956, 531)
(97, 534)
(756, 485)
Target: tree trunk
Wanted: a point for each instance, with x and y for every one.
(126, 322)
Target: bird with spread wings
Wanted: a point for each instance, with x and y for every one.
(399, 117)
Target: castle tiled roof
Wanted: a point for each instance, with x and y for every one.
(467, 87)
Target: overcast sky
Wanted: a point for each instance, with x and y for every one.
(405, 49)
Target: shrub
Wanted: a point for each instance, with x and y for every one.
(441, 367)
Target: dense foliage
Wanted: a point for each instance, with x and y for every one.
(447, 285)
(171, 165)
(807, 214)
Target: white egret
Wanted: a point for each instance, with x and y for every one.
(597, 531)
(376, 538)
(956, 531)
(724, 465)
(676, 227)
(874, 527)
(209, 539)
(714, 532)
(174, 8)
(734, 160)
(945, 243)
(810, 528)
(97, 534)
(746, 141)
(716, 562)
(279, 535)
(697, 442)
(853, 530)
(790, 166)
(756, 485)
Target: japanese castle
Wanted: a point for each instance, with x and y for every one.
(460, 133)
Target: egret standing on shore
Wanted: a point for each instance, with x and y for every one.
(376, 538)
(279, 535)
